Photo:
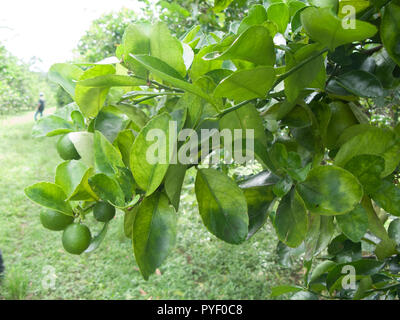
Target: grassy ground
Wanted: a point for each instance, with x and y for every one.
(37, 267)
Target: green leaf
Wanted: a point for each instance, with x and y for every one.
(138, 117)
(173, 183)
(319, 234)
(49, 195)
(51, 126)
(279, 13)
(83, 142)
(154, 233)
(166, 47)
(320, 269)
(253, 45)
(304, 295)
(97, 239)
(362, 267)
(91, 100)
(66, 76)
(330, 190)
(136, 40)
(112, 80)
(303, 77)
(390, 30)
(78, 119)
(247, 118)
(169, 74)
(367, 169)
(374, 141)
(148, 168)
(107, 158)
(364, 285)
(222, 206)
(109, 122)
(280, 290)
(394, 231)
(354, 224)
(326, 28)
(70, 177)
(257, 15)
(387, 196)
(258, 199)
(361, 83)
(291, 221)
(221, 5)
(107, 189)
(124, 142)
(247, 84)
(129, 220)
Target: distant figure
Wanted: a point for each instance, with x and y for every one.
(40, 106)
(1, 267)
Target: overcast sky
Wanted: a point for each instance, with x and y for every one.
(50, 29)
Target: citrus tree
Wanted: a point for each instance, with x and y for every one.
(297, 74)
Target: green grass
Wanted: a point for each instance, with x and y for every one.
(200, 267)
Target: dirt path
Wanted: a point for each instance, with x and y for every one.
(24, 118)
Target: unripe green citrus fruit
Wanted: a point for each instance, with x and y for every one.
(76, 238)
(103, 211)
(54, 220)
(341, 118)
(66, 149)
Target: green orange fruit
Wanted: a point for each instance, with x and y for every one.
(103, 211)
(54, 220)
(66, 149)
(76, 238)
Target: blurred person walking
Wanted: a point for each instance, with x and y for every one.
(40, 106)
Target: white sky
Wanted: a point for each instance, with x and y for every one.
(50, 29)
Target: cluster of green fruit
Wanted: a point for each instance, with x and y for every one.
(76, 236)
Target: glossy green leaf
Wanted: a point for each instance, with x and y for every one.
(373, 141)
(390, 30)
(173, 183)
(129, 220)
(200, 66)
(387, 196)
(247, 84)
(97, 239)
(258, 199)
(361, 83)
(83, 142)
(303, 77)
(222, 206)
(109, 123)
(279, 13)
(291, 221)
(91, 100)
(220, 5)
(280, 290)
(394, 230)
(166, 47)
(367, 169)
(354, 224)
(326, 28)
(51, 126)
(66, 76)
(70, 177)
(124, 142)
(112, 80)
(320, 232)
(253, 45)
(330, 190)
(247, 118)
(107, 189)
(149, 168)
(49, 195)
(107, 158)
(154, 233)
(138, 117)
(257, 15)
(169, 74)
